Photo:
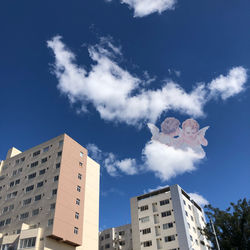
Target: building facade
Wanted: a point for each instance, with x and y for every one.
(116, 238)
(49, 197)
(167, 219)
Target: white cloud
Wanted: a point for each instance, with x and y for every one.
(167, 162)
(146, 7)
(115, 93)
(121, 97)
(229, 85)
(113, 166)
(199, 199)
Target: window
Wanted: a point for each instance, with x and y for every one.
(26, 202)
(59, 154)
(6, 246)
(2, 223)
(23, 159)
(80, 164)
(143, 208)
(107, 246)
(35, 212)
(5, 209)
(44, 160)
(146, 231)
(46, 149)
(186, 213)
(56, 178)
(164, 214)
(36, 153)
(122, 233)
(147, 243)
(17, 161)
(192, 218)
(14, 183)
(20, 170)
(38, 197)
(169, 238)
(58, 165)
(122, 243)
(60, 143)
(184, 202)
(167, 225)
(75, 230)
(164, 202)
(78, 188)
(50, 222)
(194, 229)
(29, 188)
(52, 206)
(79, 176)
(14, 172)
(76, 215)
(191, 238)
(31, 176)
(28, 242)
(34, 164)
(8, 221)
(42, 171)
(77, 201)
(144, 219)
(39, 184)
(107, 236)
(81, 154)
(189, 207)
(54, 191)
(11, 207)
(188, 225)
(24, 215)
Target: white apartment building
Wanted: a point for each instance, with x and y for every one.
(167, 219)
(116, 238)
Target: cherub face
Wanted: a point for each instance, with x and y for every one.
(190, 132)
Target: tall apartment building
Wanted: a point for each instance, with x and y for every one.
(49, 197)
(167, 219)
(116, 238)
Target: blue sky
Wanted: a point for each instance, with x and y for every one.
(92, 69)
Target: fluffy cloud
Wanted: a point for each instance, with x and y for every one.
(115, 93)
(198, 199)
(146, 7)
(230, 85)
(167, 162)
(113, 166)
(122, 97)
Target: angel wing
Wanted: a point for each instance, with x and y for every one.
(203, 131)
(153, 129)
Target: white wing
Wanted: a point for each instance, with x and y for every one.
(153, 129)
(203, 131)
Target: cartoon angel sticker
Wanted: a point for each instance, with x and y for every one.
(170, 131)
(192, 137)
(189, 136)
